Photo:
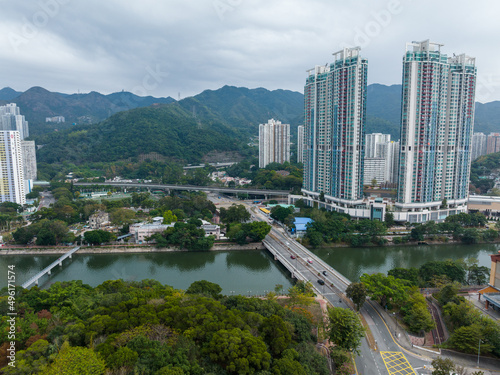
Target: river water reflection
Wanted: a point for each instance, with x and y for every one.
(237, 272)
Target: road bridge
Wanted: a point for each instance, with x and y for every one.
(306, 266)
(47, 270)
(167, 187)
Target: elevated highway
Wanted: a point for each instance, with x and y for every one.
(167, 187)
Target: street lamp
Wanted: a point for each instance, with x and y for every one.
(478, 351)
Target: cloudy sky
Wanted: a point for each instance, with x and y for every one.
(172, 47)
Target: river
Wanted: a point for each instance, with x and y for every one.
(237, 272)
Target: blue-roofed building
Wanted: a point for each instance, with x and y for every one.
(301, 225)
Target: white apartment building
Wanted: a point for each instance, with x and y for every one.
(274, 143)
(12, 187)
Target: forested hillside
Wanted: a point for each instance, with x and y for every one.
(149, 328)
(167, 130)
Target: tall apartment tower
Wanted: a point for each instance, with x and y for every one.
(274, 143)
(11, 119)
(437, 117)
(479, 143)
(300, 144)
(11, 168)
(334, 129)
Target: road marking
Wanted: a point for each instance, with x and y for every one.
(396, 363)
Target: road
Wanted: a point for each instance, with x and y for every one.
(46, 199)
(388, 357)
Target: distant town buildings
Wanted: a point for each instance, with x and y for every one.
(436, 133)
(334, 130)
(274, 143)
(56, 119)
(300, 144)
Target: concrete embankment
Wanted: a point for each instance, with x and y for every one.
(120, 249)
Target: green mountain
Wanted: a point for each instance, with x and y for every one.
(8, 94)
(212, 122)
(167, 130)
(245, 108)
(38, 103)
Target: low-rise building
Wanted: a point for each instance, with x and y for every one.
(98, 220)
(141, 231)
(211, 230)
(491, 293)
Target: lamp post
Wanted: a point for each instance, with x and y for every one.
(478, 351)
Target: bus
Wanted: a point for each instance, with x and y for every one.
(265, 210)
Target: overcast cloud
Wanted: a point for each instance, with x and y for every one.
(163, 48)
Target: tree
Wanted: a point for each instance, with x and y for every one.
(97, 237)
(234, 214)
(288, 364)
(442, 366)
(281, 213)
(76, 361)
(277, 334)
(385, 289)
(238, 351)
(409, 274)
(169, 217)
(256, 230)
(205, 288)
(389, 219)
(345, 329)
(357, 293)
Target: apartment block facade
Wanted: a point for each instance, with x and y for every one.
(436, 132)
(334, 129)
(274, 143)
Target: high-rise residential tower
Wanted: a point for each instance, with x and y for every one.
(11, 168)
(479, 144)
(334, 129)
(437, 117)
(274, 143)
(11, 119)
(300, 144)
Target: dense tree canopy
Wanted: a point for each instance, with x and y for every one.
(148, 328)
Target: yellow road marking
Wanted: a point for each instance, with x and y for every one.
(396, 363)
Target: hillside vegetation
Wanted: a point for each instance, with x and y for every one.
(167, 130)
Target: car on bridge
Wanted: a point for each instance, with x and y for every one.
(309, 260)
(325, 273)
(321, 282)
(293, 256)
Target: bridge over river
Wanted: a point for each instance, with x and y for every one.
(47, 270)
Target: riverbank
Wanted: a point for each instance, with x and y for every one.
(121, 249)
